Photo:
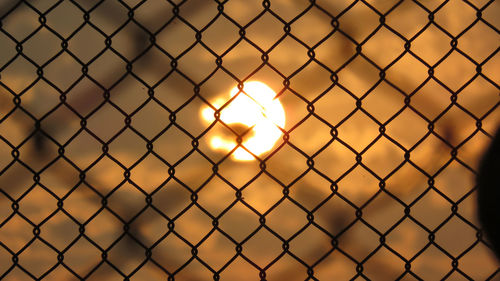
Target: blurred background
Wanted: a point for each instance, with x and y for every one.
(106, 167)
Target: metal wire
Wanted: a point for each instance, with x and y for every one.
(39, 149)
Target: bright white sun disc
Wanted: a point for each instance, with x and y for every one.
(255, 107)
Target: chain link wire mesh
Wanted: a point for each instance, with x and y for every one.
(106, 169)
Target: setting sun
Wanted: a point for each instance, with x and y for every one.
(254, 108)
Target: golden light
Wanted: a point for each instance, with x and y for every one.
(256, 108)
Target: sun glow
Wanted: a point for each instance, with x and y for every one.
(255, 108)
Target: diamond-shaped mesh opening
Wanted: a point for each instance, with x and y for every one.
(35, 212)
(264, 31)
(16, 232)
(313, 17)
(239, 222)
(407, 233)
(454, 26)
(39, 257)
(439, 268)
(65, 66)
(103, 235)
(245, 140)
(64, 17)
(218, 250)
(103, 271)
(141, 13)
(168, 244)
(42, 46)
(21, 23)
(384, 263)
(59, 231)
(286, 267)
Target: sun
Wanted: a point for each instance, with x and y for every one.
(256, 107)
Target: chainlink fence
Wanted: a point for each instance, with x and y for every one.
(108, 172)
